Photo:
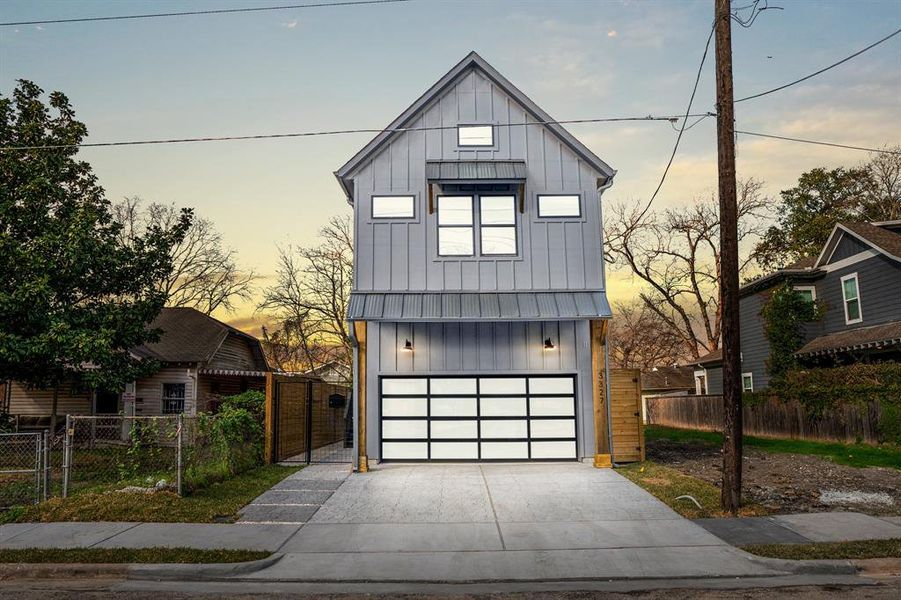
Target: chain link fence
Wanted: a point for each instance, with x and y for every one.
(22, 468)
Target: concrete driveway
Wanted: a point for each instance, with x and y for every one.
(500, 522)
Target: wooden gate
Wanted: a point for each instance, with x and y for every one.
(307, 420)
(625, 415)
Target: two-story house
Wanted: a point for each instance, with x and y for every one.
(478, 302)
(856, 278)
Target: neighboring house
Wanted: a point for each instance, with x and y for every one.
(334, 372)
(201, 360)
(857, 279)
(478, 298)
(665, 382)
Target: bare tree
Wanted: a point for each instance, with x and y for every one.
(640, 339)
(205, 273)
(885, 171)
(309, 300)
(675, 253)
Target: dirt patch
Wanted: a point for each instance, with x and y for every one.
(790, 483)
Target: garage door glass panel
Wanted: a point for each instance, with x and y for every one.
(455, 450)
(553, 428)
(405, 450)
(404, 429)
(551, 385)
(502, 385)
(405, 387)
(455, 429)
(505, 450)
(502, 407)
(453, 386)
(454, 407)
(504, 429)
(404, 407)
(552, 407)
(553, 449)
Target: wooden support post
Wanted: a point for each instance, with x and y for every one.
(360, 385)
(522, 198)
(431, 198)
(602, 455)
(269, 420)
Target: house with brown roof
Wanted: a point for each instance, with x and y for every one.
(201, 360)
(856, 278)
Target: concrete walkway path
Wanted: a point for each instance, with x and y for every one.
(803, 528)
(297, 497)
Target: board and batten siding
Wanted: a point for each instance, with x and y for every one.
(30, 402)
(234, 353)
(149, 391)
(879, 282)
(485, 348)
(402, 255)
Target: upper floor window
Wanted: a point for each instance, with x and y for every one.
(559, 205)
(475, 135)
(392, 207)
(173, 400)
(808, 292)
(851, 299)
(496, 225)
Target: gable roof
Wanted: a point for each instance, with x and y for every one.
(668, 378)
(190, 336)
(711, 358)
(471, 61)
(879, 237)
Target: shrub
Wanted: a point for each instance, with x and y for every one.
(252, 401)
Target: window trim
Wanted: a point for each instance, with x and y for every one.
(541, 216)
(807, 288)
(471, 226)
(412, 198)
(749, 375)
(697, 375)
(164, 399)
(493, 143)
(845, 298)
(514, 226)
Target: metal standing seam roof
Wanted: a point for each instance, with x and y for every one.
(477, 306)
(466, 170)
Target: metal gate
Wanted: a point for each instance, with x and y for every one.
(311, 421)
(23, 468)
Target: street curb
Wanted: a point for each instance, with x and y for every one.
(11, 571)
(804, 567)
(198, 572)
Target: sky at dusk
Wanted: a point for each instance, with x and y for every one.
(360, 66)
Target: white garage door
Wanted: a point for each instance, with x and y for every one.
(478, 418)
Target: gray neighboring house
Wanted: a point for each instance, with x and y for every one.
(857, 278)
(478, 302)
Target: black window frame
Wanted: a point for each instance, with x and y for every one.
(173, 405)
(471, 226)
(514, 226)
(538, 198)
(412, 214)
(477, 226)
(493, 143)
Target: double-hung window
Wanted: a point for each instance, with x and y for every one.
(747, 382)
(851, 299)
(173, 400)
(458, 222)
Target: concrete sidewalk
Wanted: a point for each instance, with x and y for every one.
(803, 528)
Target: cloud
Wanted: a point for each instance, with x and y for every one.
(290, 24)
(612, 33)
(39, 28)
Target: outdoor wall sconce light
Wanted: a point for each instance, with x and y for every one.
(548, 344)
(408, 346)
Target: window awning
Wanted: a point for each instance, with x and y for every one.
(484, 306)
(231, 372)
(475, 170)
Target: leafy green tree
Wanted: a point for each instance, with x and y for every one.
(73, 298)
(808, 212)
(784, 316)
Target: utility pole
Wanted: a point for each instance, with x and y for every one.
(725, 131)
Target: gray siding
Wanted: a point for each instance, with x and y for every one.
(401, 255)
(755, 348)
(498, 347)
(847, 246)
(715, 380)
(234, 353)
(879, 281)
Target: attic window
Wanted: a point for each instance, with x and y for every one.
(475, 135)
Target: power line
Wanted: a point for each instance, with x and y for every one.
(818, 142)
(681, 129)
(823, 70)
(203, 12)
(668, 118)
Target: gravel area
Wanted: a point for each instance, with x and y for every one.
(791, 483)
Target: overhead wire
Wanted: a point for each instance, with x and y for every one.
(818, 142)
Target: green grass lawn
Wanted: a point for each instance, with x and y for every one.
(829, 551)
(216, 503)
(668, 484)
(128, 555)
(854, 455)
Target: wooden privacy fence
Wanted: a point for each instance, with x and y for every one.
(772, 418)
